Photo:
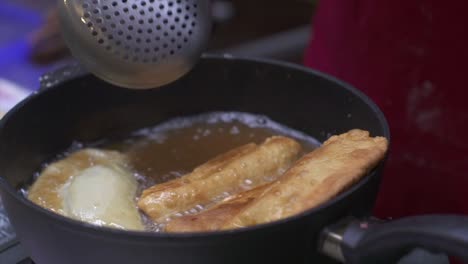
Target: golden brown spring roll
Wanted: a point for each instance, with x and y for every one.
(215, 217)
(241, 169)
(315, 178)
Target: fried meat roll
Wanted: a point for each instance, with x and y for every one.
(241, 169)
(215, 217)
(315, 178)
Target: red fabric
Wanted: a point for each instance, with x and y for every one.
(410, 57)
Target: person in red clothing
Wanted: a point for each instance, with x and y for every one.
(411, 58)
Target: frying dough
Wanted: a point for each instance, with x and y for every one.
(103, 196)
(238, 170)
(315, 178)
(90, 185)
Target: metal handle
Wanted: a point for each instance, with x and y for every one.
(375, 241)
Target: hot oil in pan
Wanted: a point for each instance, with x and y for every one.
(176, 147)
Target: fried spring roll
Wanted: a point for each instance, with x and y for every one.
(215, 217)
(238, 170)
(315, 178)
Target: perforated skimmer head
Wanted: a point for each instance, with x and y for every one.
(136, 43)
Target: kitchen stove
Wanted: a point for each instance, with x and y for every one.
(11, 251)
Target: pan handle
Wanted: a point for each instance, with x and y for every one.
(375, 241)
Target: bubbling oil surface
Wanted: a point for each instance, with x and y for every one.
(174, 148)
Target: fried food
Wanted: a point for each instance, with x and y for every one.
(90, 185)
(238, 170)
(215, 217)
(314, 179)
(104, 196)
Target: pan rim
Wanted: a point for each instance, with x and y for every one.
(135, 236)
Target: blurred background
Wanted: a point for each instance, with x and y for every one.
(30, 44)
(408, 56)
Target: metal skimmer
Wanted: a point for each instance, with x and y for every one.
(136, 44)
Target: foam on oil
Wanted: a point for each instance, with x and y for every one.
(174, 148)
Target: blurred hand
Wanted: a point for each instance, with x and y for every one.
(47, 45)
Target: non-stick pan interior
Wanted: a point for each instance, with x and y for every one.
(86, 109)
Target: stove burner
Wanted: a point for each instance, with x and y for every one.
(11, 251)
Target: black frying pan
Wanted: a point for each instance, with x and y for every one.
(76, 106)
